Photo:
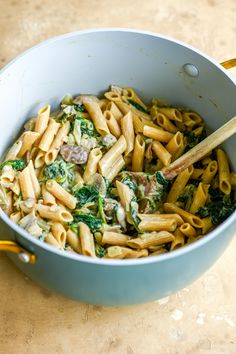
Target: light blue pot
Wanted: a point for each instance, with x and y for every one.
(88, 62)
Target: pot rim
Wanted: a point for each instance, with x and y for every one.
(118, 262)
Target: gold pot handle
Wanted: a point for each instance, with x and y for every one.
(228, 64)
(23, 255)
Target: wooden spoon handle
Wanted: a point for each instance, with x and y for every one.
(201, 149)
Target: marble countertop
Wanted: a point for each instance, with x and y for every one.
(198, 319)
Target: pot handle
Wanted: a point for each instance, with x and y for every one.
(23, 255)
(228, 64)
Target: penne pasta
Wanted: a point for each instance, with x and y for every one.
(151, 239)
(157, 134)
(179, 184)
(59, 139)
(138, 154)
(194, 220)
(112, 124)
(127, 129)
(114, 238)
(200, 198)
(188, 230)
(112, 107)
(92, 164)
(156, 223)
(87, 241)
(26, 185)
(28, 139)
(61, 194)
(161, 153)
(97, 117)
(125, 252)
(111, 156)
(73, 240)
(54, 212)
(115, 168)
(48, 135)
(224, 173)
(59, 233)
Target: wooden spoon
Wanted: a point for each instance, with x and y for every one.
(200, 150)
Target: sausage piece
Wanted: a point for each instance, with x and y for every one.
(75, 154)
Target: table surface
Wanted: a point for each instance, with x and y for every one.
(198, 319)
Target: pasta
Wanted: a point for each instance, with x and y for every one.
(85, 178)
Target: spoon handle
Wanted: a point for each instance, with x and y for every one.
(201, 149)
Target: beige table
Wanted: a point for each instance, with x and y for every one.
(198, 319)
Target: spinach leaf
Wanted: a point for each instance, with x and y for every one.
(95, 224)
(17, 165)
(220, 207)
(137, 106)
(86, 194)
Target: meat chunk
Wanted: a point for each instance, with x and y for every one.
(75, 154)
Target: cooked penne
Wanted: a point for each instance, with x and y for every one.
(112, 124)
(206, 225)
(54, 212)
(161, 153)
(127, 128)
(92, 164)
(48, 198)
(112, 107)
(197, 173)
(48, 135)
(87, 241)
(125, 195)
(34, 179)
(175, 143)
(111, 156)
(224, 172)
(210, 172)
(200, 198)
(178, 241)
(14, 151)
(50, 239)
(156, 223)
(165, 123)
(73, 240)
(179, 184)
(61, 194)
(157, 134)
(97, 117)
(138, 154)
(39, 159)
(147, 240)
(59, 233)
(113, 96)
(125, 252)
(114, 238)
(171, 113)
(59, 139)
(42, 120)
(130, 94)
(28, 139)
(26, 185)
(188, 230)
(194, 220)
(115, 168)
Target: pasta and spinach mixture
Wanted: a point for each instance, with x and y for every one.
(86, 178)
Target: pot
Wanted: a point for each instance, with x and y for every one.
(88, 62)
